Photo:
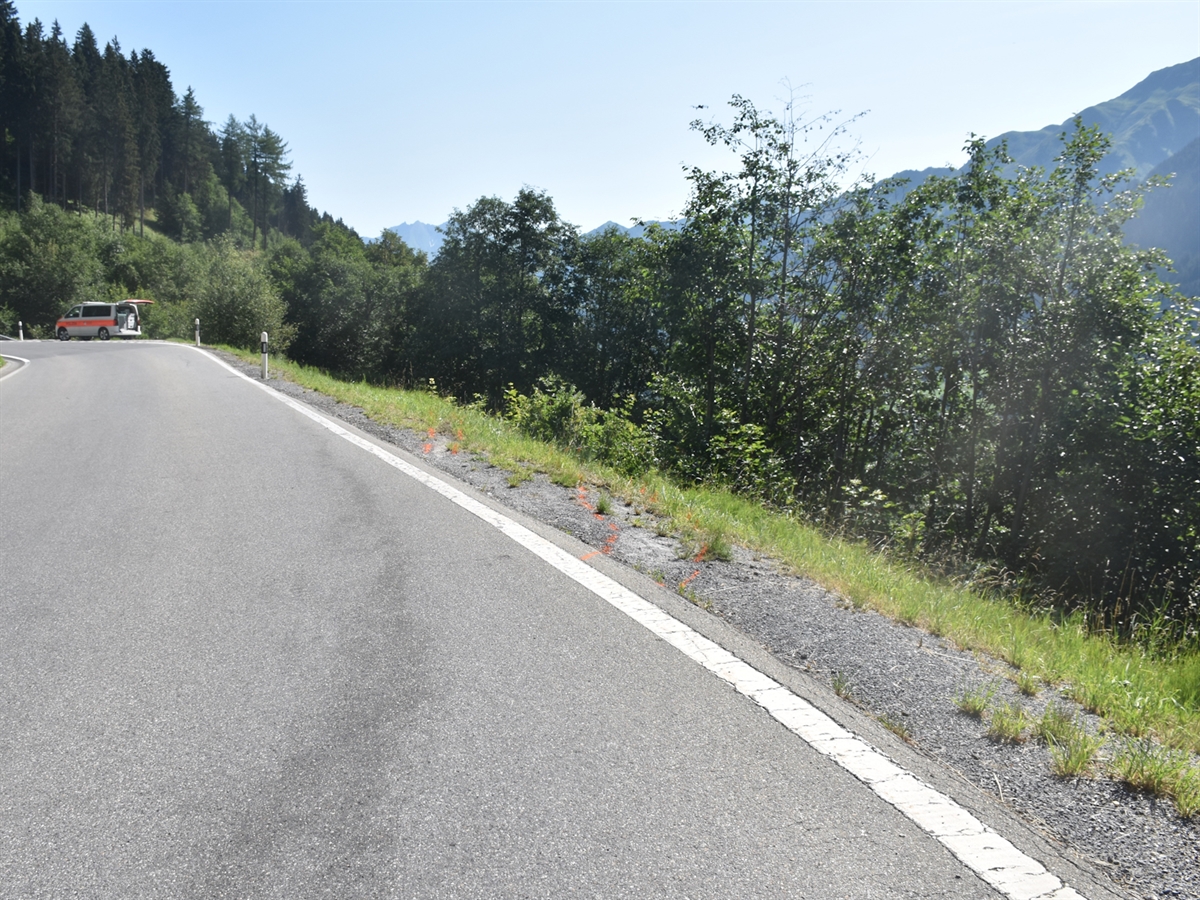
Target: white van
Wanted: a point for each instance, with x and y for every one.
(102, 320)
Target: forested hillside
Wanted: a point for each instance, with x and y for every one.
(116, 185)
(977, 372)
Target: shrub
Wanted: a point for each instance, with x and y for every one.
(555, 412)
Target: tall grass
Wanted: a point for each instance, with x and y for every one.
(1139, 692)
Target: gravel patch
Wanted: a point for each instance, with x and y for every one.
(899, 674)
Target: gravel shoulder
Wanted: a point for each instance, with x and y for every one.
(890, 671)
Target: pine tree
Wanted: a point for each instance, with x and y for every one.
(154, 99)
(88, 151)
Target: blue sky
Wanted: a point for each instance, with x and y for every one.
(399, 111)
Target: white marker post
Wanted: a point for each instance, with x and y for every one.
(264, 352)
(21, 330)
(197, 332)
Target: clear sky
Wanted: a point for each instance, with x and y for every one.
(403, 111)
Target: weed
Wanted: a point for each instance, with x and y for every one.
(688, 593)
(519, 477)
(662, 527)
(896, 727)
(660, 576)
(973, 701)
(1028, 683)
(842, 686)
(718, 547)
(1007, 722)
(1147, 766)
(604, 505)
(1187, 793)
(1073, 754)
(1056, 726)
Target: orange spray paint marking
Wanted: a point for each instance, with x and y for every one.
(587, 556)
(428, 447)
(610, 542)
(699, 557)
(689, 579)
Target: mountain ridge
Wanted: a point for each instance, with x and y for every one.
(1154, 119)
(1151, 126)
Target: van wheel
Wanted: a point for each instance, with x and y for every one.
(102, 334)
(62, 335)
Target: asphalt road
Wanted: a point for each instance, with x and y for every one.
(240, 657)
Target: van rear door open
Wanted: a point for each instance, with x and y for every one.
(102, 320)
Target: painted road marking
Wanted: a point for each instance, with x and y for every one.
(990, 856)
(8, 373)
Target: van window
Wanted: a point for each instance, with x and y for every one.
(74, 313)
(97, 312)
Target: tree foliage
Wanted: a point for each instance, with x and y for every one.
(977, 371)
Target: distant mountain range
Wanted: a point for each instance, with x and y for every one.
(1154, 119)
(1155, 128)
(1171, 218)
(420, 236)
(636, 231)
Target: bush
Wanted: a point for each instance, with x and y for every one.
(555, 412)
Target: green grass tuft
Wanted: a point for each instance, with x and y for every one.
(975, 701)
(842, 686)
(1145, 765)
(1056, 724)
(896, 727)
(1007, 722)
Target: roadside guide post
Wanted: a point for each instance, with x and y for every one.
(264, 351)
(21, 330)
(197, 332)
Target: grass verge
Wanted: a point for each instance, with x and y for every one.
(1138, 693)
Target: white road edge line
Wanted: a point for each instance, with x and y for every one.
(990, 856)
(21, 368)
